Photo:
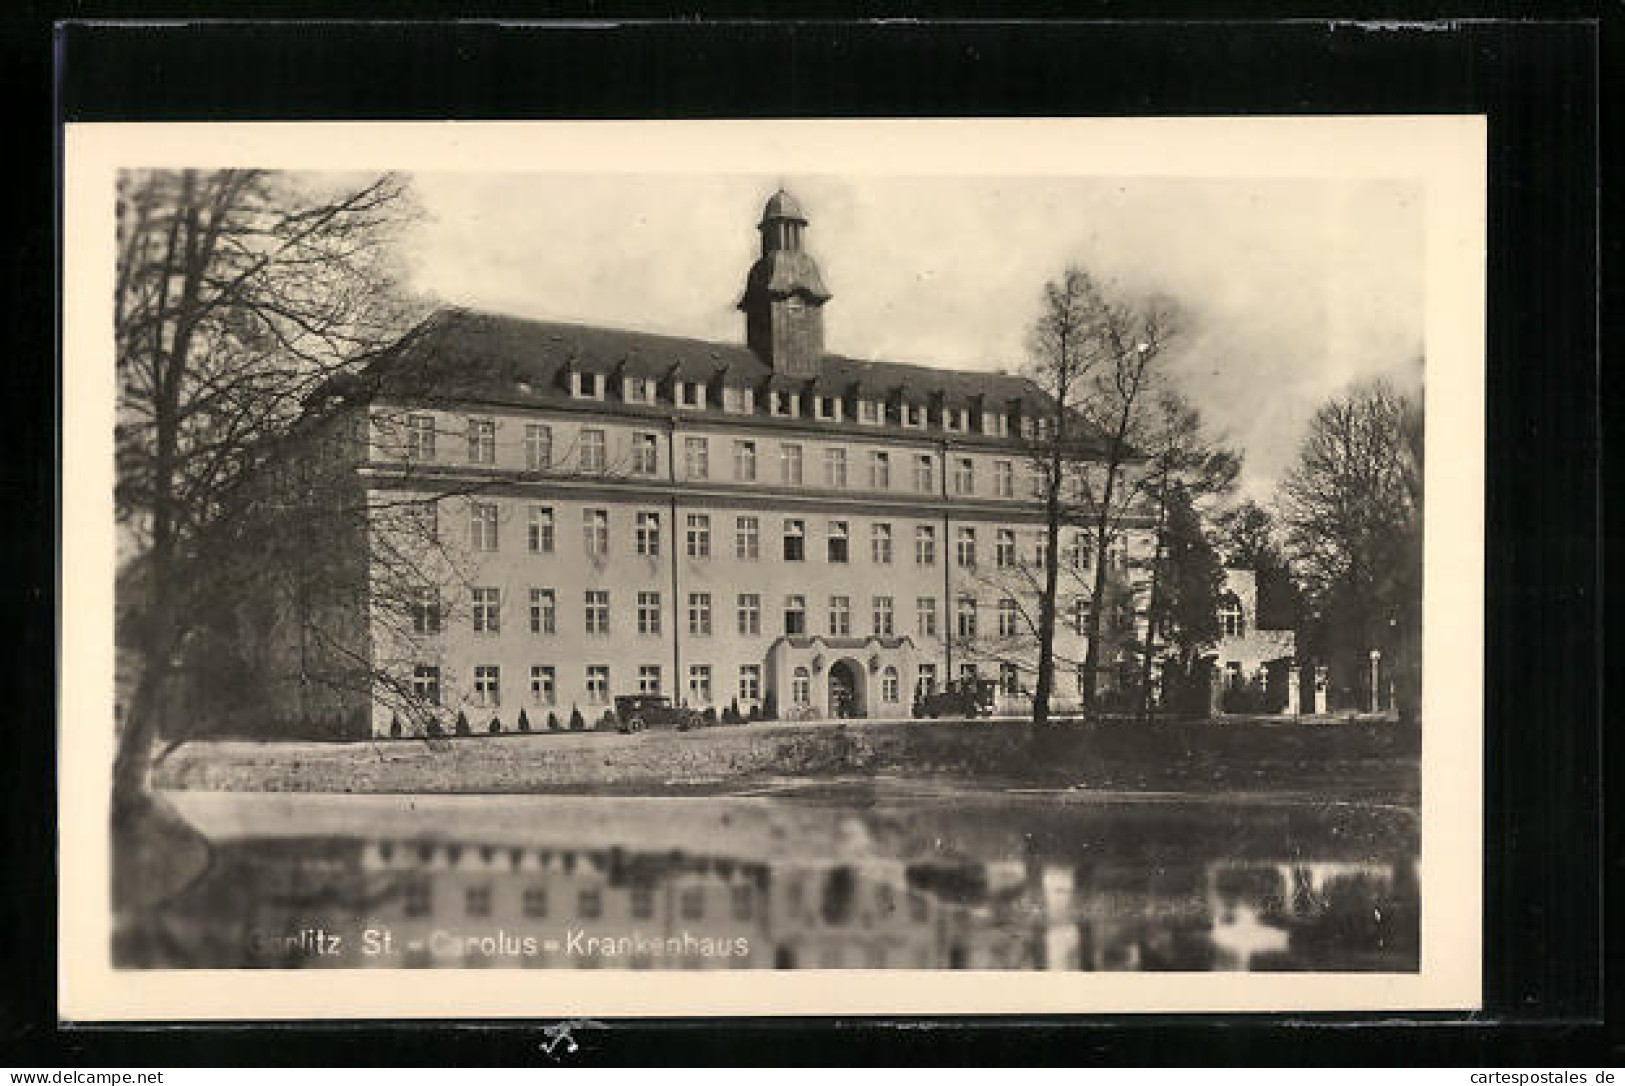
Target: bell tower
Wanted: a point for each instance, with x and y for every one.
(784, 295)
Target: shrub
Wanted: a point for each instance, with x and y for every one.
(496, 726)
(607, 721)
(755, 714)
(769, 707)
(553, 724)
(1249, 697)
(577, 722)
(462, 723)
(434, 729)
(710, 716)
(395, 725)
(524, 721)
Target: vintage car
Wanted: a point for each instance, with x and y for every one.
(964, 698)
(639, 712)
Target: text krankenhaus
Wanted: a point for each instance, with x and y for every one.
(318, 942)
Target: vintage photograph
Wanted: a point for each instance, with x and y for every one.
(770, 569)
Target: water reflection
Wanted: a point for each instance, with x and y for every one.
(1025, 883)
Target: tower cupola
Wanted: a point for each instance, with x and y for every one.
(784, 294)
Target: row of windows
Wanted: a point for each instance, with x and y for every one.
(534, 900)
(541, 538)
(486, 614)
(592, 457)
(487, 691)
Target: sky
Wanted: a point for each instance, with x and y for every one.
(1290, 289)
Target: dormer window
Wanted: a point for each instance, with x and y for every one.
(954, 419)
(914, 416)
(738, 401)
(995, 424)
(786, 405)
(690, 394)
(587, 386)
(869, 412)
(828, 408)
(637, 389)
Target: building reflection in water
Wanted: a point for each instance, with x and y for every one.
(434, 902)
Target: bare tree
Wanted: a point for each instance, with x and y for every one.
(239, 294)
(1352, 509)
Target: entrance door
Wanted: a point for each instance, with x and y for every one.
(843, 690)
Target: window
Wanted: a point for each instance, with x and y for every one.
(643, 903)
(1004, 548)
(482, 526)
(925, 474)
(889, 685)
(790, 465)
(925, 545)
(535, 902)
(426, 683)
(967, 673)
(795, 615)
(487, 610)
(966, 614)
(426, 611)
(1041, 551)
(699, 684)
(749, 613)
(1230, 616)
(699, 614)
(839, 549)
(828, 407)
(883, 616)
(593, 457)
(589, 904)
(423, 519)
(738, 401)
(965, 547)
(1080, 615)
(880, 470)
(539, 532)
(1009, 618)
(543, 611)
(835, 467)
(745, 461)
(925, 616)
(649, 679)
(785, 403)
(1009, 679)
(690, 394)
(635, 389)
(645, 454)
(538, 447)
(597, 610)
(795, 541)
(595, 531)
(415, 900)
(699, 535)
(477, 901)
(750, 682)
(840, 616)
(869, 411)
(914, 415)
(927, 682)
(589, 386)
(692, 903)
(544, 688)
(965, 476)
(743, 901)
(646, 534)
(482, 441)
(420, 437)
(1035, 482)
(697, 457)
(801, 686)
(648, 612)
(597, 683)
(1004, 479)
(747, 539)
(880, 544)
(488, 685)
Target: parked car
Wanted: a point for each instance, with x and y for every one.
(963, 697)
(639, 712)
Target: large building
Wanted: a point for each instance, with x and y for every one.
(764, 524)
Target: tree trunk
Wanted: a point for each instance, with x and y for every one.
(1152, 603)
(1046, 613)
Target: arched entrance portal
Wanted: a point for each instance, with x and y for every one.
(846, 691)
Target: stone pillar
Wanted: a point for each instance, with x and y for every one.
(1293, 679)
(1376, 680)
(1322, 685)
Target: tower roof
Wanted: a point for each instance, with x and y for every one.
(781, 205)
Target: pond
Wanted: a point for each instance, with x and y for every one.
(872, 873)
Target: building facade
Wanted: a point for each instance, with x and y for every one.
(764, 525)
